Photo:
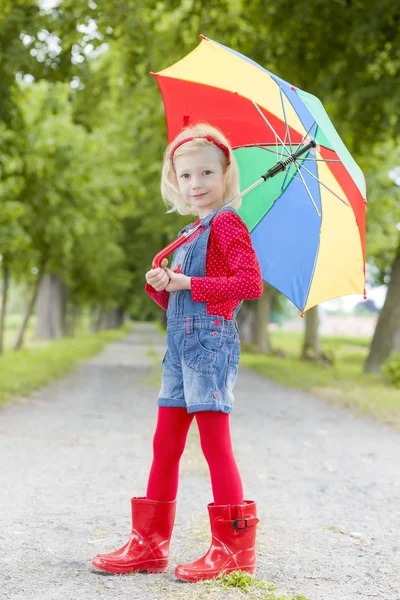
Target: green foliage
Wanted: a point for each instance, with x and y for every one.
(16, 17)
(351, 63)
(83, 126)
(68, 200)
(383, 210)
(241, 579)
(13, 238)
(366, 308)
(392, 368)
(255, 589)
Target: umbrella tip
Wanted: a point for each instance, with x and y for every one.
(202, 37)
(151, 73)
(292, 87)
(302, 314)
(365, 294)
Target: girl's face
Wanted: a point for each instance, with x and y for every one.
(200, 177)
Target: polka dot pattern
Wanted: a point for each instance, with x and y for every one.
(232, 269)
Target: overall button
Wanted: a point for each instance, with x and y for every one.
(215, 394)
(217, 322)
(214, 333)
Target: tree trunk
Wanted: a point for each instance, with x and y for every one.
(93, 313)
(312, 349)
(262, 318)
(388, 323)
(51, 308)
(397, 340)
(3, 307)
(74, 315)
(246, 319)
(112, 319)
(100, 319)
(29, 308)
(119, 316)
(107, 319)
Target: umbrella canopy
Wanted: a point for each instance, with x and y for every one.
(307, 224)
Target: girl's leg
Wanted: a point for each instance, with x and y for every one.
(168, 445)
(216, 444)
(232, 520)
(153, 517)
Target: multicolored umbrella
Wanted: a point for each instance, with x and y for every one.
(307, 222)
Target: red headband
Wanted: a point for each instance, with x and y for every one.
(209, 138)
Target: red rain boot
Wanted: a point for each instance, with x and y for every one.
(147, 548)
(233, 529)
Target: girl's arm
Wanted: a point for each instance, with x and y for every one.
(244, 282)
(160, 298)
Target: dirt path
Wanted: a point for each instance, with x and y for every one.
(327, 486)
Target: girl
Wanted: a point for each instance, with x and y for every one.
(210, 276)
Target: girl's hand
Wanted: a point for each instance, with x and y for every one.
(178, 281)
(158, 278)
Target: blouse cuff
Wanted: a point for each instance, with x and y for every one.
(160, 298)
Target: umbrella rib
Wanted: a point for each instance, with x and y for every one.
(270, 126)
(305, 135)
(286, 123)
(325, 186)
(306, 186)
(268, 150)
(284, 142)
(321, 160)
(286, 176)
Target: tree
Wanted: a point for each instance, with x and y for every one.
(14, 240)
(331, 50)
(384, 248)
(388, 326)
(71, 196)
(367, 307)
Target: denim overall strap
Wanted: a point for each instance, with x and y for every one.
(191, 257)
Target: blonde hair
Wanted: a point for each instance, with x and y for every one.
(169, 183)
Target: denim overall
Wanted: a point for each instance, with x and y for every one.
(201, 363)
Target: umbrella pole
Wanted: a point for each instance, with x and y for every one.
(278, 168)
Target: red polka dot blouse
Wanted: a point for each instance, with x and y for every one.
(232, 269)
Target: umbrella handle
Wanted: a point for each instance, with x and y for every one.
(167, 251)
(173, 246)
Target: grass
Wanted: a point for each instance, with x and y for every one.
(344, 384)
(23, 371)
(237, 585)
(254, 588)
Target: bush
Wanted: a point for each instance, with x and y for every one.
(392, 368)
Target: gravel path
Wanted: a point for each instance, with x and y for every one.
(327, 486)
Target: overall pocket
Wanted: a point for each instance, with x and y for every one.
(200, 350)
(232, 370)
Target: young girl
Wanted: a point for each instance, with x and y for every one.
(210, 275)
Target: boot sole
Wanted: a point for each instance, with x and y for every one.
(121, 570)
(210, 575)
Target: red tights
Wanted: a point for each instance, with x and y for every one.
(169, 443)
